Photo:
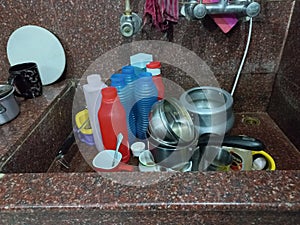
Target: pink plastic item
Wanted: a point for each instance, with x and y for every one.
(225, 21)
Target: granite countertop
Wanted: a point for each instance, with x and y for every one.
(31, 112)
(219, 193)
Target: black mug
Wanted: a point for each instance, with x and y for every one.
(26, 78)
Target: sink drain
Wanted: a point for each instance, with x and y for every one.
(251, 120)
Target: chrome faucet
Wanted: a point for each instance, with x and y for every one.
(195, 10)
(130, 22)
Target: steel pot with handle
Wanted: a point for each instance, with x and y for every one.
(210, 109)
(9, 108)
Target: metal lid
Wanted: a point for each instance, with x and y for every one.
(5, 89)
(178, 119)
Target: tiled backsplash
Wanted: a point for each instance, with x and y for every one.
(88, 29)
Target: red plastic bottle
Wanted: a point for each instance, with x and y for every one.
(112, 120)
(154, 68)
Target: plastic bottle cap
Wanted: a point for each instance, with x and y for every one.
(154, 68)
(117, 79)
(128, 69)
(94, 79)
(141, 57)
(117, 76)
(109, 93)
(154, 72)
(154, 65)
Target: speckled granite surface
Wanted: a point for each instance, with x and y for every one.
(31, 112)
(284, 153)
(160, 198)
(286, 156)
(88, 29)
(286, 90)
(30, 140)
(206, 198)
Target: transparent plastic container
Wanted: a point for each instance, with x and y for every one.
(93, 97)
(130, 78)
(155, 69)
(145, 96)
(126, 98)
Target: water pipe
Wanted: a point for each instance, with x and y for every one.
(130, 22)
(197, 10)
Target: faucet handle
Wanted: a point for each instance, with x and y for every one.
(194, 10)
(253, 9)
(200, 11)
(130, 24)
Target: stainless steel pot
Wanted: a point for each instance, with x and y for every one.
(171, 155)
(210, 109)
(9, 108)
(169, 121)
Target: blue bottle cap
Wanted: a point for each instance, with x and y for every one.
(128, 70)
(128, 73)
(117, 80)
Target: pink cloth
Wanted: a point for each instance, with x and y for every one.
(225, 21)
(162, 12)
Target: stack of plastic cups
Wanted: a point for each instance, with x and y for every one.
(145, 96)
(125, 96)
(129, 77)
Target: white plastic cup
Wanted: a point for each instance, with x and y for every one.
(137, 148)
(104, 159)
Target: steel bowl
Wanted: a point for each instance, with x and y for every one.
(210, 109)
(169, 121)
(171, 155)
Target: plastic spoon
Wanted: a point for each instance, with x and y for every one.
(119, 141)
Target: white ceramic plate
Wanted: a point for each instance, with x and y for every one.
(36, 44)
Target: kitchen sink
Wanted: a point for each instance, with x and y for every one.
(258, 125)
(32, 147)
(34, 187)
